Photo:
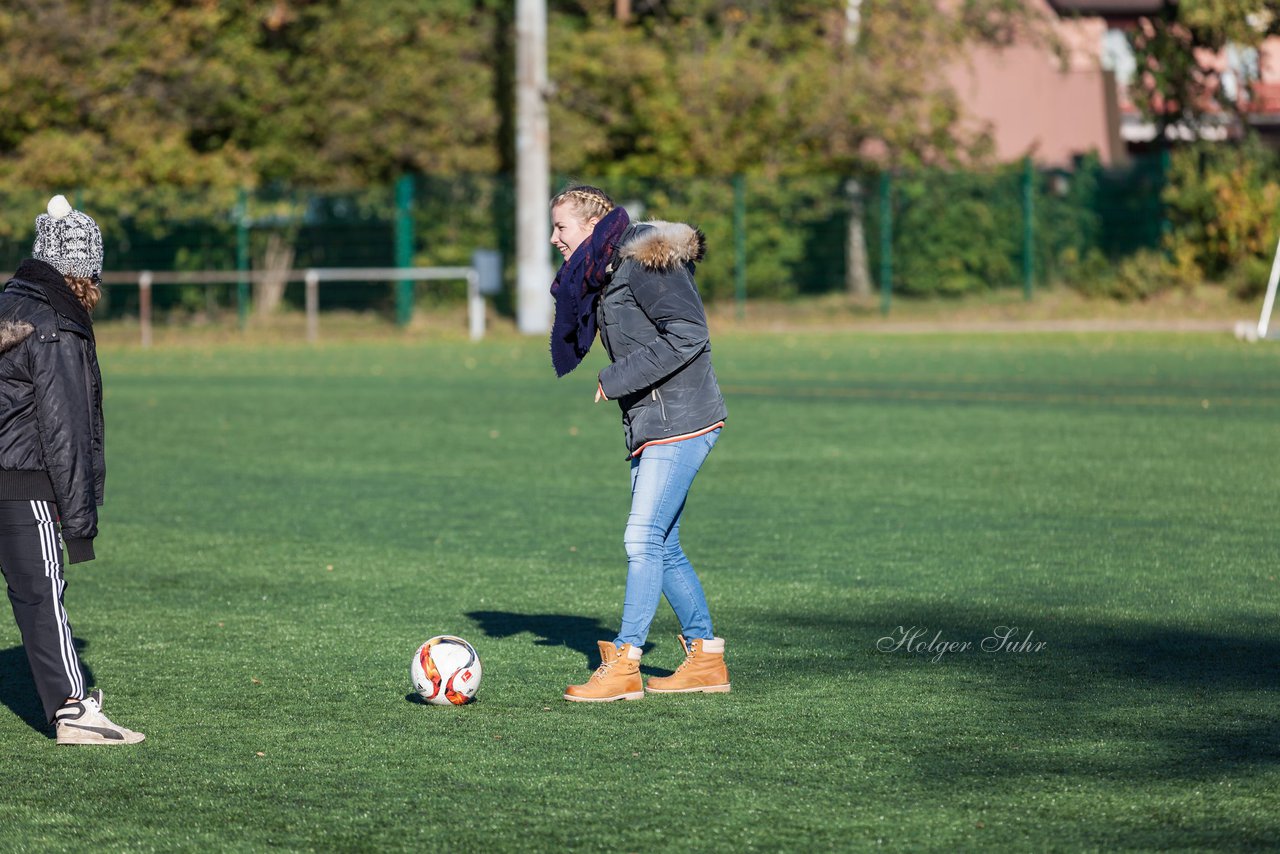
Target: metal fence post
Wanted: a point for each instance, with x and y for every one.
(144, 306)
(312, 299)
(740, 243)
(886, 242)
(404, 247)
(475, 306)
(1028, 227)
(1166, 163)
(242, 257)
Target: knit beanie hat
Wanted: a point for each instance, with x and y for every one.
(68, 240)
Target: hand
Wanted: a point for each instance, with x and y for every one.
(600, 395)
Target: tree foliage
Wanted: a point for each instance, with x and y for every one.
(230, 93)
(158, 113)
(211, 95)
(716, 87)
(1175, 84)
(1224, 207)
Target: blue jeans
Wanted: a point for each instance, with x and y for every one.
(656, 565)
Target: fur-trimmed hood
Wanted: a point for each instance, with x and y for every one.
(664, 245)
(13, 333)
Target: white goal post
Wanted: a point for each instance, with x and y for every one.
(1247, 331)
(1269, 301)
(312, 277)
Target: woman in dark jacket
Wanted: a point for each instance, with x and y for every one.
(51, 460)
(634, 283)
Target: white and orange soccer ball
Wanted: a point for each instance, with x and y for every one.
(446, 671)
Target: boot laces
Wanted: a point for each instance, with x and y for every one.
(690, 651)
(605, 666)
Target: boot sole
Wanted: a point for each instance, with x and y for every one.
(88, 739)
(633, 695)
(702, 689)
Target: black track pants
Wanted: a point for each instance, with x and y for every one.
(31, 557)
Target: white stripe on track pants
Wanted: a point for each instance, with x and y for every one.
(31, 557)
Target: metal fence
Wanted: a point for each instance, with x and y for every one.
(147, 280)
(913, 233)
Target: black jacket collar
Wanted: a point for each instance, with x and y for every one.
(50, 285)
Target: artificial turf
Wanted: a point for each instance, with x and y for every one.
(285, 524)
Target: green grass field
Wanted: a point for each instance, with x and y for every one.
(284, 525)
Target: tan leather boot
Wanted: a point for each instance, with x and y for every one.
(703, 670)
(617, 677)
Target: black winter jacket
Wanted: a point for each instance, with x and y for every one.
(51, 403)
(653, 324)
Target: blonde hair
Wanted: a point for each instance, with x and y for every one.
(86, 289)
(586, 202)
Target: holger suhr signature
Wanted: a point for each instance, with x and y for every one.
(916, 639)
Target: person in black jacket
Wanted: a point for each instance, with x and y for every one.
(51, 458)
(634, 283)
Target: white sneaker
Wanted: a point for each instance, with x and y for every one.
(83, 722)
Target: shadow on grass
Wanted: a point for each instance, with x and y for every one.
(1201, 700)
(415, 699)
(1133, 709)
(580, 634)
(18, 689)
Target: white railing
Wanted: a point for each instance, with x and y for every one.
(147, 279)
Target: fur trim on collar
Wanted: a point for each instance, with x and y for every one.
(13, 333)
(664, 245)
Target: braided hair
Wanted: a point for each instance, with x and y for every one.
(586, 201)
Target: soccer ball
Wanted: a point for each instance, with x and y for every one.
(446, 671)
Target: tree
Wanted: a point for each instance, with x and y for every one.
(218, 95)
(718, 87)
(712, 87)
(156, 113)
(1177, 82)
(161, 110)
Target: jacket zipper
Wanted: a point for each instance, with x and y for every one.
(661, 406)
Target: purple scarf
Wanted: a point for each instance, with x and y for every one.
(577, 288)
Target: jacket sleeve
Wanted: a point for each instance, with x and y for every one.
(671, 302)
(59, 372)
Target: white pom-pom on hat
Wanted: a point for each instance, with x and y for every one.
(59, 207)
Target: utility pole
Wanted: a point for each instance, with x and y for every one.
(533, 166)
(857, 268)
